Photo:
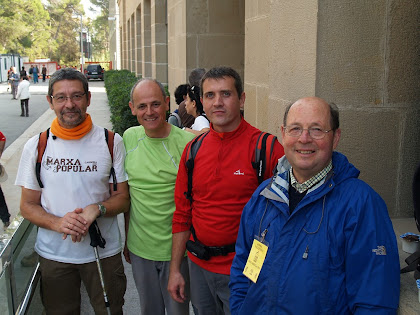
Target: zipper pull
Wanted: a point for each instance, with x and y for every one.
(263, 235)
(305, 254)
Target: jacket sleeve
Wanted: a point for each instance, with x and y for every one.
(182, 216)
(239, 284)
(372, 261)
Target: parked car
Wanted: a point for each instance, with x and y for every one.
(94, 72)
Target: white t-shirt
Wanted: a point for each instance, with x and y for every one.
(200, 122)
(75, 173)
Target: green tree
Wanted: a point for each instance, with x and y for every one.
(65, 47)
(24, 28)
(100, 31)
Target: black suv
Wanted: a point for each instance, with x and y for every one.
(94, 72)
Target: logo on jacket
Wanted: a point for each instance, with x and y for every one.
(380, 251)
(238, 172)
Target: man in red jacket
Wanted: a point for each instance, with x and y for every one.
(223, 181)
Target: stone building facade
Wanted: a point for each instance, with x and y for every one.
(362, 55)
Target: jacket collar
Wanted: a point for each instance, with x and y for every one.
(278, 188)
(231, 134)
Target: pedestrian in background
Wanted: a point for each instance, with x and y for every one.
(194, 108)
(194, 79)
(35, 72)
(14, 81)
(44, 73)
(24, 95)
(9, 72)
(23, 72)
(4, 211)
(180, 95)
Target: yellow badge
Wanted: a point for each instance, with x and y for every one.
(255, 260)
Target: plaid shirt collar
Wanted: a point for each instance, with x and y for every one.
(310, 182)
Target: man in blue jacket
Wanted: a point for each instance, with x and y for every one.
(315, 239)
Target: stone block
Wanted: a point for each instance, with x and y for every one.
(350, 55)
(250, 108)
(251, 9)
(257, 43)
(197, 17)
(293, 49)
(212, 55)
(226, 17)
(371, 141)
(160, 53)
(160, 33)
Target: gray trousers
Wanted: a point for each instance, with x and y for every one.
(209, 291)
(151, 279)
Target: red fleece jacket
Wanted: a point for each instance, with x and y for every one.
(223, 182)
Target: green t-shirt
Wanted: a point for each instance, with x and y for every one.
(152, 166)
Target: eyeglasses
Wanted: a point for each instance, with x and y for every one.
(61, 99)
(314, 132)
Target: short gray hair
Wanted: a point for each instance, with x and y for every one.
(195, 76)
(68, 74)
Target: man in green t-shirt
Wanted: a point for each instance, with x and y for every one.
(154, 150)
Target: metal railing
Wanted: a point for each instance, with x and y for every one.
(19, 273)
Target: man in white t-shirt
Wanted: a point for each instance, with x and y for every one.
(72, 190)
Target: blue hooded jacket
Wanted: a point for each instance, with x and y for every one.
(352, 263)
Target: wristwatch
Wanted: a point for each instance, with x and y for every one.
(102, 209)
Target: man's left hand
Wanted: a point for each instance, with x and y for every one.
(89, 213)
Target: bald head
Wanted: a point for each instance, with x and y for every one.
(150, 104)
(316, 101)
(147, 81)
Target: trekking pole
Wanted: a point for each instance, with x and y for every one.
(96, 240)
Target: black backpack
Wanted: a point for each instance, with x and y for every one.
(263, 148)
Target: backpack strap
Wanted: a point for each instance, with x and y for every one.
(177, 118)
(109, 138)
(42, 144)
(412, 262)
(192, 149)
(261, 155)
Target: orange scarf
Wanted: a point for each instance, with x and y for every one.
(73, 133)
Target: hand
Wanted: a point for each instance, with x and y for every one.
(73, 224)
(90, 213)
(176, 286)
(126, 253)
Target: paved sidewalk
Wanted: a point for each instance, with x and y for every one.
(409, 302)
